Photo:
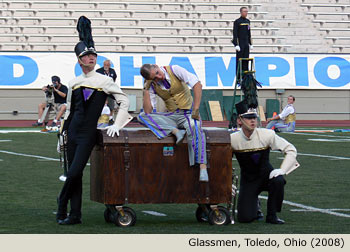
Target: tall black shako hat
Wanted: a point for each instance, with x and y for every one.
(245, 111)
(86, 44)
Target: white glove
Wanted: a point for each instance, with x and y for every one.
(237, 48)
(251, 47)
(112, 130)
(275, 173)
(60, 142)
(58, 147)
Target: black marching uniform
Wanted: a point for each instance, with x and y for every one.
(86, 97)
(257, 174)
(242, 38)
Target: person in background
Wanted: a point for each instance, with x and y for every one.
(285, 121)
(242, 38)
(103, 120)
(60, 94)
(108, 71)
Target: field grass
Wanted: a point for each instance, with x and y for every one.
(29, 186)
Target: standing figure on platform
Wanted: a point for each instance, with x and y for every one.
(171, 83)
(86, 97)
(242, 38)
(251, 146)
(285, 121)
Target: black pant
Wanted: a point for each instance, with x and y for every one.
(243, 53)
(248, 197)
(78, 150)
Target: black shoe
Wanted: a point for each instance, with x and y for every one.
(70, 220)
(260, 216)
(37, 124)
(61, 214)
(274, 220)
(53, 124)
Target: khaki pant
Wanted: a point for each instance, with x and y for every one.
(55, 108)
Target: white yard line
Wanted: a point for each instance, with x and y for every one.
(28, 155)
(314, 131)
(154, 213)
(320, 156)
(329, 140)
(4, 141)
(310, 208)
(20, 131)
(309, 134)
(323, 156)
(32, 156)
(330, 209)
(324, 128)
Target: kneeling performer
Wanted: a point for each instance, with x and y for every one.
(251, 146)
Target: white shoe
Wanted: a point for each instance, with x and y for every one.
(203, 175)
(62, 178)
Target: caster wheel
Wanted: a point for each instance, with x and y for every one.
(219, 217)
(202, 213)
(108, 215)
(128, 220)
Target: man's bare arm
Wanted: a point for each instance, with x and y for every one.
(147, 105)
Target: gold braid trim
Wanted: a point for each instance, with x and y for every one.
(76, 87)
(252, 150)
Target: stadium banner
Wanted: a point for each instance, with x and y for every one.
(215, 71)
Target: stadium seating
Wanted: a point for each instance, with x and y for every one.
(332, 18)
(182, 26)
(177, 26)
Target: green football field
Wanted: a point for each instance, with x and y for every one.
(317, 195)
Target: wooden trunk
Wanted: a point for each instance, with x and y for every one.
(138, 168)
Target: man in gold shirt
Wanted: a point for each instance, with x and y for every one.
(285, 121)
(171, 83)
